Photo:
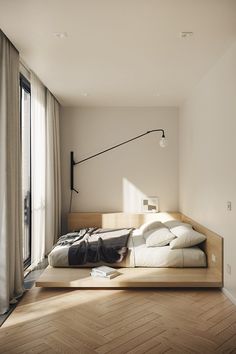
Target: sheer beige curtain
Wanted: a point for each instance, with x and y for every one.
(11, 263)
(38, 169)
(53, 173)
(46, 181)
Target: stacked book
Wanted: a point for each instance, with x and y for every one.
(104, 272)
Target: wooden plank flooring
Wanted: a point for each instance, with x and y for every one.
(131, 321)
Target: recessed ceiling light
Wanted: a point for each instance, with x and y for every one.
(84, 94)
(60, 35)
(186, 34)
(157, 94)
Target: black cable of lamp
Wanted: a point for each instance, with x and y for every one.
(73, 163)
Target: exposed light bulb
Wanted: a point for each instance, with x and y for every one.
(163, 142)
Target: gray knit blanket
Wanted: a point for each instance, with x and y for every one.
(93, 245)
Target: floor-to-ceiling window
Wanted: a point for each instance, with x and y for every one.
(26, 167)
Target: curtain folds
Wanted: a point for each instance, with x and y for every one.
(53, 175)
(45, 170)
(11, 262)
(46, 182)
(38, 169)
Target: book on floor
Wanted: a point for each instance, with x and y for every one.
(109, 276)
(103, 270)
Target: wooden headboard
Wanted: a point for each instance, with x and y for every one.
(111, 220)
(213, 246)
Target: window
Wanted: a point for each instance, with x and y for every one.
(25, 102)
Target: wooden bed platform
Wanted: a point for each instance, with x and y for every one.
(130, 278)
(212, 276)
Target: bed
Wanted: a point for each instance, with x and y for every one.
(143, 266)
(138, 253)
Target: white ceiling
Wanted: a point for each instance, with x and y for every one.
(120, 52)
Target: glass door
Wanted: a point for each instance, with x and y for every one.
(26, 167)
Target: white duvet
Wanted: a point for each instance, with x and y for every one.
(165, 257)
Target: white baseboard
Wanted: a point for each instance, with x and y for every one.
(229, 295)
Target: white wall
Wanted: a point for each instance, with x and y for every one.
(208, 157)
(117, 180)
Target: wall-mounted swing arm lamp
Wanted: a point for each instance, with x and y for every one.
(163, 143)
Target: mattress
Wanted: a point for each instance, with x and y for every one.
(139, 255)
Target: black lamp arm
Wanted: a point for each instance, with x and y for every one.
(73, 163)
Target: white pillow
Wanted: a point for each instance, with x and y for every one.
(150, 225)
(188, 238)
(181, 229)
(174, 223)
(159, 237)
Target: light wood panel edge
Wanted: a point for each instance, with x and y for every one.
(213, 246)
(79, 220)
(110, 220)
(131, 278)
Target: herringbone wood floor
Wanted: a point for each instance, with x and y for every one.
(121, 321)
